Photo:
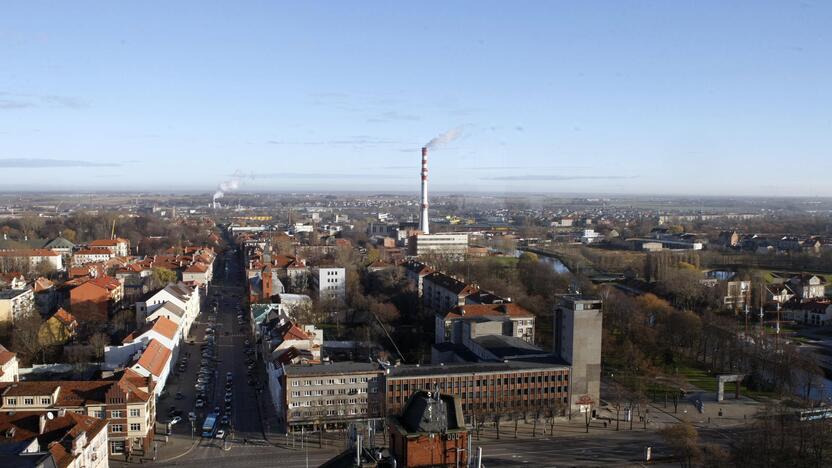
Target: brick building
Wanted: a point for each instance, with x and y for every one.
(430, 431)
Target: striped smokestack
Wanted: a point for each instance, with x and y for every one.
(423, 221)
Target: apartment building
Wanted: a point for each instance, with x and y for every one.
(126, 401)
(452, 245)
(118, 247)
(95, 255)
(327, 395)
(442, 292)
(330, 283)
(23, 259)
(177, 302)
(416, 272)
(15, 303)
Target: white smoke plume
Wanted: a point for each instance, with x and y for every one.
(444, 138)
(227, 186)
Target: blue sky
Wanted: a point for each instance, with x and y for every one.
(677, 97)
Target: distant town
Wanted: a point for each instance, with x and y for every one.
(371, 330)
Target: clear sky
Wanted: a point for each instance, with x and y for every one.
(676, 97)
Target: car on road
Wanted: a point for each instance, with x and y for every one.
(200, 403)
(199, 387)
(172, 411)
(228, 375)
(228, 398)
(246, 342)
(175, 420)
(179, 396)
(220, 434)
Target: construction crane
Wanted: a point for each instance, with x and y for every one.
(113, 231)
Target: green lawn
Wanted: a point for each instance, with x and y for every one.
(700, 378)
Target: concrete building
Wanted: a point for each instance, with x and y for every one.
(330, 283)
(442, 292)
(578, 323)
(510, 320)
(415, 272)
(485, 388)
(326, 395)
(15, 303)
(430, 432)
(808, 286)
(454, 245)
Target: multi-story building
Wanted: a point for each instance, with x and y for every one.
(486, 389)
(516, 321)
(442, 292)
(416, 273)
(577, 325)
(177, 302)
(125, 401)
(330, 283)
(67, 439)
(453, 245)
(30, 259)
(95, 299)
(84, 256)
(118, 247)
(808, 287)
(15, 303)
(328, 395)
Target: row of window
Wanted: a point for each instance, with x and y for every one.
(134, 413)
(135, 427)
(329, 412)
(483, 382)
(344, 401)
(29, 401)
(341, 381)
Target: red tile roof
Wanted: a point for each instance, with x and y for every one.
(488, 310)
(154, 358)
(5, 355)
(65, 317)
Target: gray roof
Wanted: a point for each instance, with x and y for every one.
(332, 368)
(548, 362)
(432, 414)
(508, 346)
(12, 293)
(59, 243)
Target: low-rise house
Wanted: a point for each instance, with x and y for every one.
(46, 295)
(126, 401)
(808, 286)
(163, 330)
(58, 329)
(71, 440)
(62, 246)
(15, 303)
(816, 312)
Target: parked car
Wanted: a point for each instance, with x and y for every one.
(179, 396)
(220, 434)
(200, 403)
(175, 420)
(224, 420)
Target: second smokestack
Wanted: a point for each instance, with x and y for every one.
(423, 221)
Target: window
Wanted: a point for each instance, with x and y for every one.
(117, 414)
(99, 414)
(28, 401)
(117, 446)
(45, 401)
(117, 428)
(11, 401)
(135, 412)
(295, 383)
(135, 427)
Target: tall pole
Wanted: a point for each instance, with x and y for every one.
(423, 222)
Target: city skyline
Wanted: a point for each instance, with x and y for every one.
(605, 98)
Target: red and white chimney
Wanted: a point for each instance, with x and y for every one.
(423, 221)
